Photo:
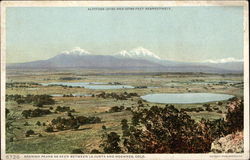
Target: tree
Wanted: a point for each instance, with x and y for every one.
(169, 130)
(125, 127)
(11, 117)
(235, 115)
(111, 143)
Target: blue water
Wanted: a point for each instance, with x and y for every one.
(185, 98)
(89, 85)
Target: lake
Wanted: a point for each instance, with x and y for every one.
(185, 98)
(89, 85)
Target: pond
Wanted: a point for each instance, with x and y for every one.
(185, 98)
(88, 85)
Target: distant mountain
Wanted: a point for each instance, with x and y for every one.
(136, 59)
(90, 61)
(76, 51)
(138, 53)
(232, 66)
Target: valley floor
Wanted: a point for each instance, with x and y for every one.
(88, 136)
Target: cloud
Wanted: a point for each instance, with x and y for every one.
(224, 60)
(77, 51)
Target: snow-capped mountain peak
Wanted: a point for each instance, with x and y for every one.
(124, 53)
(76, 51)
(142, 52)
(224, 60)
(138, 53)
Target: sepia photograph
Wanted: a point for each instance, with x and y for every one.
(124, 80)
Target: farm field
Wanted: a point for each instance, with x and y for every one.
(87, 102)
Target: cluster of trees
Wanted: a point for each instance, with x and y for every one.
(196, 109)
(141, 87)
(69, 78)
(11, 127)
(35, 113)
(73, 122)
(114, 83)
(122, 96)
(64, 109)
(119, 109)
(37, 100)
(68, 95)
(207, 107)
(65, 86)
(20, 84)
(235, 115)
(169, 130)
(88, 120)
(116, 109)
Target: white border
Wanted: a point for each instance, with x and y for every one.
(5, 4)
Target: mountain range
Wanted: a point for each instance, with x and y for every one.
(136, 59)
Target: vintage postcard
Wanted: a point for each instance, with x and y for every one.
(109, 80)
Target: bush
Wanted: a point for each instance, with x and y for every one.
(219, 111)
(122, 96)
(38, 123)
(77, 151)
(104, 127)
(168, 130)
(111, 143)
(73, 122)
(29, 132)
(64, 109)
(49, 129)
(164, 130)
(95, 151)
(116, 109)
(35, 113)
(37, 100)
(235, 115)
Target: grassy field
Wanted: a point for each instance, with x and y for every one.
(88, 136)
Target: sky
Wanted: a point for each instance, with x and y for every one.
(190, 34)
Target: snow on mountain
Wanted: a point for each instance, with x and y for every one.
(124, 53)
(76, 51)
(224, 60)
(138, 53)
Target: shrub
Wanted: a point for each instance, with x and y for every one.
(38, 123)
(30, 132)
(95, 151)
(219, 111)
(77, 151)
(35, 113)
(104, 127)
(111, 143)
(63, 109)
(116, 109)
(168, 130)
(73, 122)
(128, 109)
(125, 127)
(164, 130)
(235, 115)
(49, 129)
